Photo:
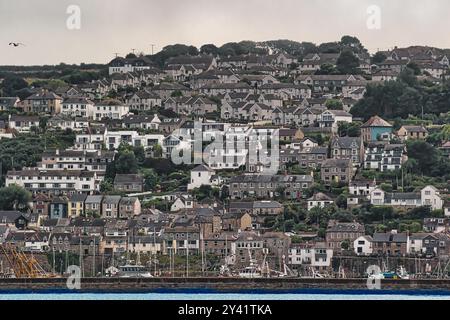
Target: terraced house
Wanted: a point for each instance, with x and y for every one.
(348, 148)
(42, 102)
(336, 171)
(57, 182)
(261, 186)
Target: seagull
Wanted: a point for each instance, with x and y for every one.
(16, 44)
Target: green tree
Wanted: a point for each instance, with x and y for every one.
(11, 84)
(334, 104)
(326, 69)
(345, 245)
(209, 49)
(157, 151)
(425, 155)
(346, 129)
(408, 76)
(386, 187)
(348, 63)
(414, 67)
(379, 57)
(14, 197)
(176, 94)
(126, 162)
(106, 186)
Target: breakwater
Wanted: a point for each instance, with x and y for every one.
(223, 285)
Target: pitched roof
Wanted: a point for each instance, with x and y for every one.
(320, 197)
(347, 142)
(339, 163)
(415, 129)
(376, 121)
(390, 237)
(345, 227)
(201, 168)
(10, 216)
(127, 178)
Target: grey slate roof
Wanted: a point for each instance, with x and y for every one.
(390, 237)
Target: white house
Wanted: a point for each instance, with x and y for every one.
(111, 109)
(55, 181)
(331, 118)
(428, 196)
(447, 209)
(176, 145)
(182, 202)
(23, 123)
(123, 65)
(363, 246)
(319, 200)
(361, 187)
(144, 100)
(201, 175)
(77, 107)
(90, 139)
(318, 257)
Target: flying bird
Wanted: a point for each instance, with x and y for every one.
(16, 44)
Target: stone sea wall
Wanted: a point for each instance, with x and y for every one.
(215, 284)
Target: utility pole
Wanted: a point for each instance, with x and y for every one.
(133, 50)
(152, 45)
(116, 54)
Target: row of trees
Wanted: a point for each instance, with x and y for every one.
(298, 49)
(376, 219)
(158, 173)
(404, 97)
(25, 150)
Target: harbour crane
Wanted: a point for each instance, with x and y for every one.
(22, 265)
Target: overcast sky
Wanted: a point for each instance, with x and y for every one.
(109, 26)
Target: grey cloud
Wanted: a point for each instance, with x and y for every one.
(110, 26)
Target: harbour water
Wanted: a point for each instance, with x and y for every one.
(305, 296)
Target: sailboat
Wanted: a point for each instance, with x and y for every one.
(134, 270)
(252, 271)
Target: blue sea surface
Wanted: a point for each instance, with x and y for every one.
(305, 296)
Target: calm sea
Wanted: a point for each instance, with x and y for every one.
(229, 296)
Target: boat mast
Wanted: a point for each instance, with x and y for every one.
(138, 258)
(81, 258)
(187, 255)
(93, 262)
(154, 248)
(54, 261)
(170, 260)
(128, 252)
(202, 251)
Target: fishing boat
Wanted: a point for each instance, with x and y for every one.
(251, 272)
(400, 274)
(133, 271)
